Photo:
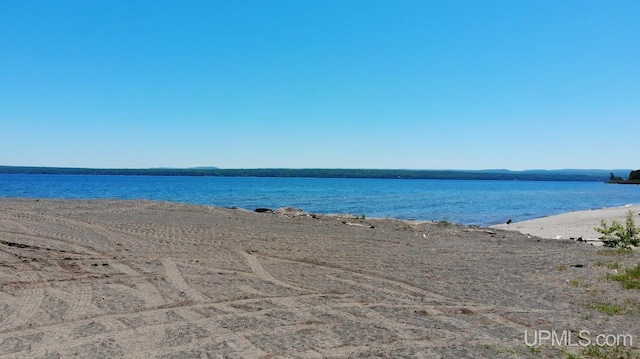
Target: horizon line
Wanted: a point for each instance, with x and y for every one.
(316, 168)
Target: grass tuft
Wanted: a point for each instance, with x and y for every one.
(608, 352)
(608, 308)
(610, 265)
(630, 278)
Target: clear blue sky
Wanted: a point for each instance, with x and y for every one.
(320, 84)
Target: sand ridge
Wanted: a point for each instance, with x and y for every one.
(142, 279)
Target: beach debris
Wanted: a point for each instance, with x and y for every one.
(292, 211)
(263, 210)
(18, 245)
(478, 229)
(358, 224)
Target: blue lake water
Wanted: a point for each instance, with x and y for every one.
(466, 202)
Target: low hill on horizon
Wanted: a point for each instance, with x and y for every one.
(592, 175)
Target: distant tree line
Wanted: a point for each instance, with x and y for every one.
(505, 175)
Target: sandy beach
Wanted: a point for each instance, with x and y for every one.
(579, 224)
(141, 279)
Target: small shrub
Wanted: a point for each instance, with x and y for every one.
(620, 236)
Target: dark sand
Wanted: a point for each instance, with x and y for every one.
(139, 279)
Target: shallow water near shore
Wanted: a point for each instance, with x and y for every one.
(460, 201)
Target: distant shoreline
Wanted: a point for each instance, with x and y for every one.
(624, 182)
(503, 175)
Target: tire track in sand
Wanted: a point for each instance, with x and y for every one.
(404, 291)
(259, 271)
(79, 302)
(25, 306)
(173, 276)
(149, 292)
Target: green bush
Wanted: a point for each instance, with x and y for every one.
(619, 235)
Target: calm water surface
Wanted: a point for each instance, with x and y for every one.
(467, 202)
